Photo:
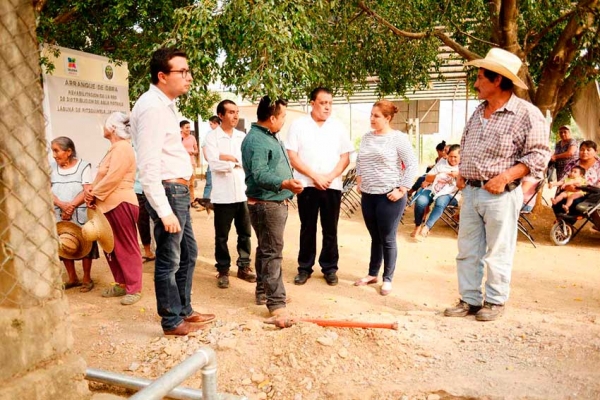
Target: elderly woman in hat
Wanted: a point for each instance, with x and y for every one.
(112, 193)
(565, 151)
(69, 177)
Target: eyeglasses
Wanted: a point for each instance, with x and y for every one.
(184, 72)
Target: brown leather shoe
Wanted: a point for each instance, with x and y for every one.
(184, 329)
(246, 274)
(489, 312)
(198, 318)
(461, 309)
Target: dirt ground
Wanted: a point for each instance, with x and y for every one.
(546, 346)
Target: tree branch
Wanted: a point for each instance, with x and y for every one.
(384, 22)
(535, 39)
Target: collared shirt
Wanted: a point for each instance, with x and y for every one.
(191, 146)
(385, 162)
(515, 133)
(160, 152)
(227, 177)
(560, 164)
(266, 165)
(319, 147)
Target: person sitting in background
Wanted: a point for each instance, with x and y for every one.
(70, 176)
(590, 162)
(575, 177)
(442, 152)
(439, 188)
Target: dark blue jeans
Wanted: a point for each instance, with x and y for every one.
(176, 255)
(313, 202)
(225, 214)
(268, 220)
(382, 217)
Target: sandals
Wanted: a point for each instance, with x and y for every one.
(114, 291)
(147, 259)
(130, 299)
(368, 280)
(70, 285)
(86, 287)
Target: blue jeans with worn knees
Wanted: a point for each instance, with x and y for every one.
(382, 217)
(208, 185)
(487, 237)
(425, 199)
(176, 255)
(268, 220)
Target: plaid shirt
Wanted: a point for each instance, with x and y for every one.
(515, 133)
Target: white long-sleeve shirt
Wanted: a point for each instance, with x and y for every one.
(157, 141)
(228, 184)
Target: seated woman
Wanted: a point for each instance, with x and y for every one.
(439, 188)
(588, 159)
(442, 152)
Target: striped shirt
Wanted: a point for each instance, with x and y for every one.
(515, 133)
(385, 162)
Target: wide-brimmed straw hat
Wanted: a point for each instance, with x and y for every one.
(98, 228)
(502, 62)
(72, 245)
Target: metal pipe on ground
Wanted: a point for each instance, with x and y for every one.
(167, 385)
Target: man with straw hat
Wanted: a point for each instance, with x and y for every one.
(505, 139)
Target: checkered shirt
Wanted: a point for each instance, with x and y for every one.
(515, 133)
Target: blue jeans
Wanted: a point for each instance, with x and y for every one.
(268, 220)
(487, 237)
(382, 217)
(425, 198)
(176, 255)
(208, 185)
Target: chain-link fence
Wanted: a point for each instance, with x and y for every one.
(29, 264)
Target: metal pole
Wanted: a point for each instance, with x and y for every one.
(204, 358)
(136, 383)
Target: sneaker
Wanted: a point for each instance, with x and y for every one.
(489, 312)
(331, 279)
(246, 274)
(114, 291)
(130, 299)
(301, 278)
(462, 309)
(223, 280)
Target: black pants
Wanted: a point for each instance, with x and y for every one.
(225, 214)
(311, 203)
(143, 222)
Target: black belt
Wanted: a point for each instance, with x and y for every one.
(479, 184)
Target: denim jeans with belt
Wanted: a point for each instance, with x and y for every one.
(225, 214)
(487, 237)
(268, 220)
(382, 217)
(423, 200)
(176, 255)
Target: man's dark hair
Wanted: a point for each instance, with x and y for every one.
(160, 61)
(505, 84)
(453, 147)
(215, 120)
(266, 108)
(221, 107)
(182, 123)
(315, 92)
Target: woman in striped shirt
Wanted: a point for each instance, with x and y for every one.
(386, 168)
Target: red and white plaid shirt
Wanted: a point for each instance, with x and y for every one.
(515, 133)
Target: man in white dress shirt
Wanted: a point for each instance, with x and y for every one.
(223, 151)
(319, 149)
(165, 169)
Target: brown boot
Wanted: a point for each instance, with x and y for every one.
(489, 312)
(461, 309)
(184, 329)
